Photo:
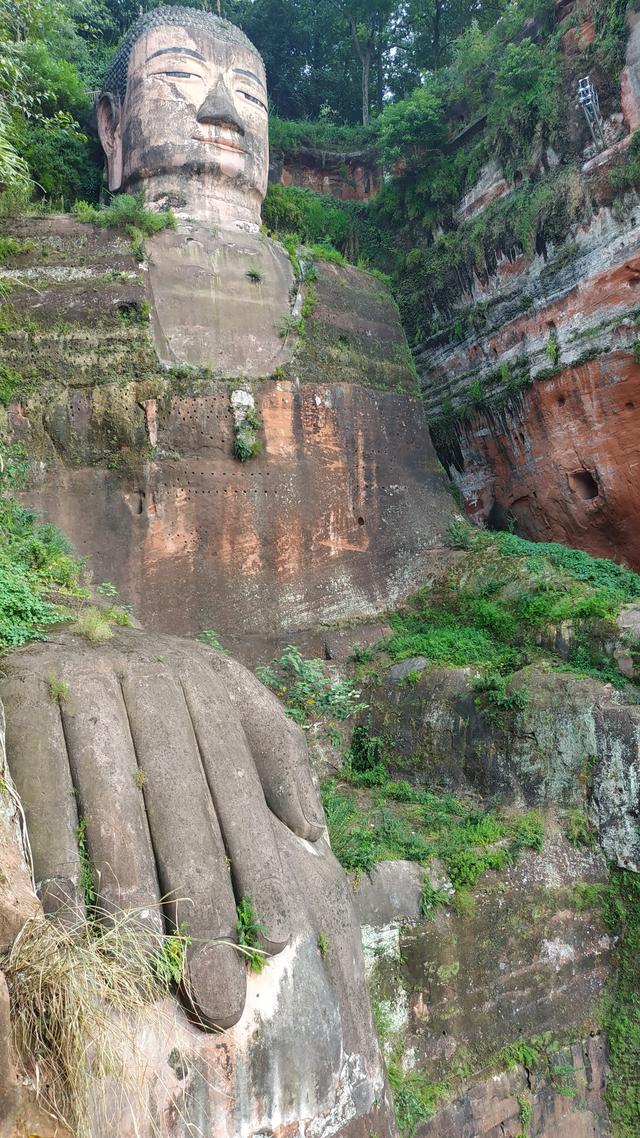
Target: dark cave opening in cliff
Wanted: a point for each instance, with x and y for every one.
(584, 485)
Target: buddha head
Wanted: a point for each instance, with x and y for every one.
(183, 116)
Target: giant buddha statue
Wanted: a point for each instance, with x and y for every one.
(194, 788)
(341, 505)
(183, 117)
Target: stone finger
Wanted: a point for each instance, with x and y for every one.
(280, 752)
(190, 856)
(103, 766)
(244, 817)
(39, 765)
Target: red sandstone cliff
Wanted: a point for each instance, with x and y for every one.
(533, 389)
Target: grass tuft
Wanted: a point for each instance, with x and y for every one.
(58, 689)
(93, 624)
(76, 994)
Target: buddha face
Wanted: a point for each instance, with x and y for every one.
(193, 128)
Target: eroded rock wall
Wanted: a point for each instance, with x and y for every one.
(532, 384)
(349, 177)
(338, 517)
(495, 1007)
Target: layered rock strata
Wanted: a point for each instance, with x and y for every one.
(531, 382)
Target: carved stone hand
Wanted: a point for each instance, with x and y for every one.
(176, 757)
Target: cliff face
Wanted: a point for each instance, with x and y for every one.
(336, 517)
(532, 382)
(351, 176)
(558, 454)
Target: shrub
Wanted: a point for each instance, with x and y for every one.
(307, 691)
(35, 561)
(366, 751)
(126, 211)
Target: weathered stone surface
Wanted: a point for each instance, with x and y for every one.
(336, 519)
(208, 308)
(341, 515)
(575, 743)
(561, 459)
(493, 1109)
(349, 177)
(490, 186)
(391, 892)
(302, 1057)
(519, 961)
(18, 901)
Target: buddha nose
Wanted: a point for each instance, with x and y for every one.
(218, 109)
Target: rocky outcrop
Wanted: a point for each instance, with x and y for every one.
(575, 743)
(494, 1007)
(495, 1108)
(349, 176)
(336, 517)
(537, 416)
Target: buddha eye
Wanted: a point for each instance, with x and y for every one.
(252, 99)
(179, 74)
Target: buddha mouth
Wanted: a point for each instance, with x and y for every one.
(224, 143)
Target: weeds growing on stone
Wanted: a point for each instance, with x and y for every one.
(125, 211)
(621, 1012)
(93, 624)
(77, 993)
(499, 608)
(249, 928)
(397, 820)
(35, 562)
(308, 693)
(58, 689)
(210, 637)
(578, 831)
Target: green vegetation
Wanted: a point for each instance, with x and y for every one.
(625, 174)
(87, 873)
(498, 611)
(127, 211)
(432, 898)
(621, 1014)
(392, 819)
(497, 701)
(306, 690)
(246, 443)
(415, 1098)
(210, 637)
(58, 689)
(93, 624)
(36, 566)
(320, 134)
(170, 961)
(250, 928)
(577, 829)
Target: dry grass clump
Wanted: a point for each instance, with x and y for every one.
(77, 992)
(93, 624)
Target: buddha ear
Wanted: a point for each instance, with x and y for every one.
(109, 129)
